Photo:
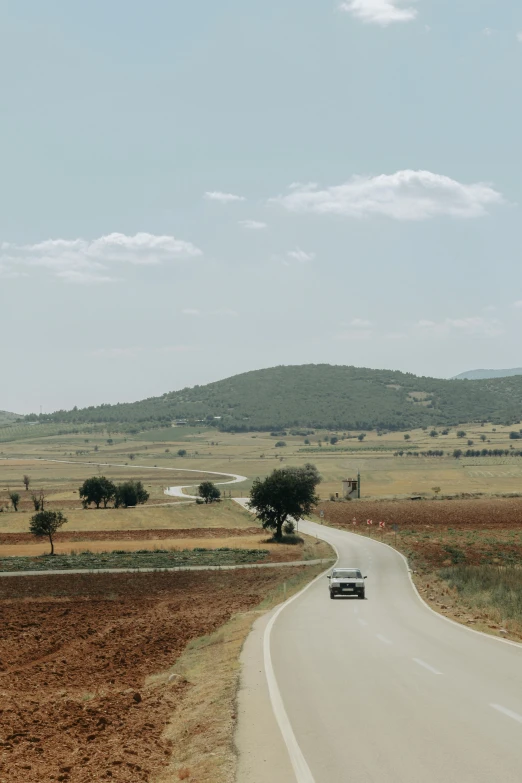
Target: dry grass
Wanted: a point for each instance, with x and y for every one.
(224, 514)
(202, 729)
(309, 549)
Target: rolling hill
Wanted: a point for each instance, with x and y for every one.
(478, 375)
(316, 396)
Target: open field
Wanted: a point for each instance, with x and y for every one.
(85, 673)
(158, 553)
(254, 454)
(219, 515)
(466, 554)
(60, 481)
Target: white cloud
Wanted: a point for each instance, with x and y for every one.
(487, 31)
(519, 37)
(475, 326)
(382, 12)
(300, 255)
(519, 303)
(86, 261)
(191, 311)
(405, 195)
(360, 323)
(223, 198)
(253, 225)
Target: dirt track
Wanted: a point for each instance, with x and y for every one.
(76, 704)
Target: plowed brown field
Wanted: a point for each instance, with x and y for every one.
(133, 535)
(440, 533)
(479, 513)
(76, 653)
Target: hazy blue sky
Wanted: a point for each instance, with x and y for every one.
(194, 189)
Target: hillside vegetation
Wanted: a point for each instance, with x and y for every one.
(315, 396)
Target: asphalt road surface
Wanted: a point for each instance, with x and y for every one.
(377, 691)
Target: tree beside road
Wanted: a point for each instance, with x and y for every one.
(287, 493)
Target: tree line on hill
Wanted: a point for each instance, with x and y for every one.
(315, 397)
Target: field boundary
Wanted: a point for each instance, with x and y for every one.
(61, 572)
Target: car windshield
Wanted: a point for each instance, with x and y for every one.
(347, 573)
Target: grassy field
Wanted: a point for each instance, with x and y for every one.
(226, 514)
(254, 454)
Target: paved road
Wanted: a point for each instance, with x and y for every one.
(381, 690)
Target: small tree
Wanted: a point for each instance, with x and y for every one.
(333, 440)
(436, 490)
(361, 437)
(433, 434)
(483, 438)
(457, 453)
(182, 452)
(130, 493)
(26, 481)
(407, 437)
(14, 497)
(46, 523)
(280, 444)
(209, 492)
(286, 492)
(461, 434)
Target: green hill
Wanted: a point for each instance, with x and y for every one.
(316, 396)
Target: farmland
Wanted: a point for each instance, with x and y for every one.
(86, 665)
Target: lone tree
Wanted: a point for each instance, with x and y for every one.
(182, 452)
(286, 492)
(209, 492)
(97, 489)
(46, 523)
(130, 493)
(14, 497)
(27, 481)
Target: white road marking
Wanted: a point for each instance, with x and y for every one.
(361, 622)
(383, 639)
(426, 666)
(507, 712)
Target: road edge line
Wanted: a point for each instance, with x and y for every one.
(426, 604)
(300, 766)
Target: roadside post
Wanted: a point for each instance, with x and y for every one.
(369, 522)
(395, 528)
(321, 514)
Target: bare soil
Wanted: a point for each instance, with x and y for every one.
(487, 513)
(81, 698)
(8, 539)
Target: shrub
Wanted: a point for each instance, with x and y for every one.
(280, 444)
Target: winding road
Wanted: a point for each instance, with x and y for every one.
(377, 691)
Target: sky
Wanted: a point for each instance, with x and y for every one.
(193, 190)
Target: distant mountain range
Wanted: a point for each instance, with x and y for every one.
(480, 375)
(314, 396)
